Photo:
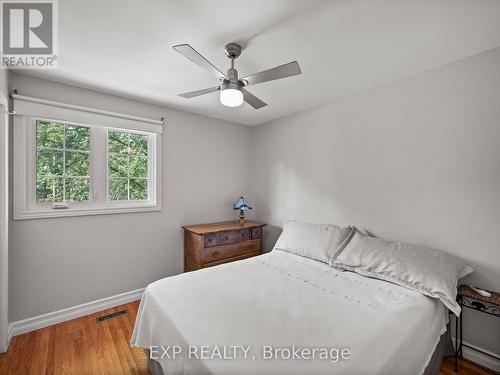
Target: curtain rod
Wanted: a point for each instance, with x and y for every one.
(81, 108)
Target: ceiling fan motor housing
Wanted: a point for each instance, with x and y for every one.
(232, 81)
(231, 85)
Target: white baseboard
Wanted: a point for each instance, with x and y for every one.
(30, 324)
(480, 358)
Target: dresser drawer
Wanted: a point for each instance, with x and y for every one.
(256, 233)
(209, 240)
(216, 253)
(234, 236)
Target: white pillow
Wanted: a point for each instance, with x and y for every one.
(315, 241)
(430, 272)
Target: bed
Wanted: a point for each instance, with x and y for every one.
(279, 301)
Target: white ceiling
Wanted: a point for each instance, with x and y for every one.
(343, 47)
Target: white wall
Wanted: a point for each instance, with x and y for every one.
(416, 161)
(63, 262)
(4, 81)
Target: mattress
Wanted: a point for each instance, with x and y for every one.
(278, 304)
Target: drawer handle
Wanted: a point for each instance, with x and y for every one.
(209, 240)
(215, 253)
(226, 238)
(242, 234)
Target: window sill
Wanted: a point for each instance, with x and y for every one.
(83, 211)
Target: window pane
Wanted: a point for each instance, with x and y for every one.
(117, 165)
(77, 138)
(118, 189)
(128, 159)
(139, 144)
(138, 189)
(77, 189)
(49, 190)
(139, 166)
(77, 163)
(118, 142)
(49, 134)
(49, 163)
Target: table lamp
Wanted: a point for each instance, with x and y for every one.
(242, 205)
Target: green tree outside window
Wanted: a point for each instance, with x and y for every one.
(127, 166)
(62, 162)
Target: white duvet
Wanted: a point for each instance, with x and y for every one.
(278, 303)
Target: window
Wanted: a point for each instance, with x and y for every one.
(67, 167)
(62, 162)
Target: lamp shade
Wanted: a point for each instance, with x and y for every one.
(231, 97)
(241, 204)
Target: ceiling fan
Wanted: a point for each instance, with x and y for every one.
(233, 89)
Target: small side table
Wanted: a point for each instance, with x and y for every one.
(467, 298)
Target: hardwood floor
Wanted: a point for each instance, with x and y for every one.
(464, 368)
(79, 346)
(83, 346)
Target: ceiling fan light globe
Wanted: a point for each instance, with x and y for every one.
(231, 97)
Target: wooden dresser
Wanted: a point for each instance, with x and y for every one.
(207, 245)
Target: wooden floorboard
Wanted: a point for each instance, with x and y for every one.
(83, 346)
(464, 368)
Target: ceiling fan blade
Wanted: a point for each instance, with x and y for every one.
(282, 71)
(252, 99)
(192, 94)
(198, 59)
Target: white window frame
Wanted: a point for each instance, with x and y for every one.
(30, 110)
